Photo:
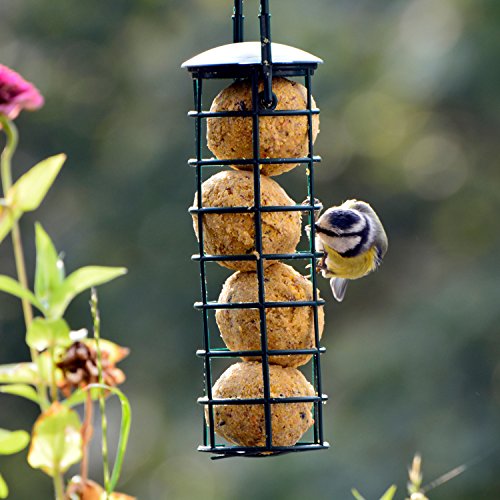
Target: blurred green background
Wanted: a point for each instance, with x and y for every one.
(410, 117)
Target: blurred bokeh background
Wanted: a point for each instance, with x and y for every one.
(410, 120)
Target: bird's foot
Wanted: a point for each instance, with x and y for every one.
(317, 204)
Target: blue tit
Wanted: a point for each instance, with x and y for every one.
(353, 241)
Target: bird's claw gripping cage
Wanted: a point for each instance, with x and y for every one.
(257, 62)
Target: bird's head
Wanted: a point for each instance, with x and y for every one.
(342, 228)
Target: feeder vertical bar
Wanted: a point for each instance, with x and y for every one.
(238, 19)
(198, 90)
(259, 250)
(265, 39)
(317, 366)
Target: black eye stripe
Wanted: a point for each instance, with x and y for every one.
(341, 235)
(320, 229)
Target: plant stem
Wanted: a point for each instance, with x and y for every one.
(12, 138)
(102, 404)
(6, 171)
(58, 485)
(86, 437)
(6, 176)
(53, 384)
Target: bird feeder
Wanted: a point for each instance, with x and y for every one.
(257, 63)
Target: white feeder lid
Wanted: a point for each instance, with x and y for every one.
(250, 53)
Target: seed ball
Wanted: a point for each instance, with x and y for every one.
(232, 234)
(287, 327)
(245, 425)
(279, 136)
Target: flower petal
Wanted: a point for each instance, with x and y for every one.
(17, 94)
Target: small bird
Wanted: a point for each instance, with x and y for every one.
(353, 241)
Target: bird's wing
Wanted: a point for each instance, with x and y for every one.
(338, 286)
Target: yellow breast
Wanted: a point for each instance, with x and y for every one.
(351, 267)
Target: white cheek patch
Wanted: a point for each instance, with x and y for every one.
(318, 243)
(343, 244)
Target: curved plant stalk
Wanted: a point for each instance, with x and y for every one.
(94, 309)
(124, 428)
(6, 176)
(6, 173)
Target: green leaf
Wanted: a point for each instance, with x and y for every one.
(30, 373)
(79, 397)
(13, 441)
(4, 490)
(23, 390)
(46, 368)
(56, 443)
(49, 273)
(357, 495)
(389, 494)
(46, 334)
(19, 373)
(77, 282)
(124, 429)
(7, 219)
(13, 287)
(30, 190)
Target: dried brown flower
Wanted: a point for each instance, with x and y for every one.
(79, 366)
(90, 490)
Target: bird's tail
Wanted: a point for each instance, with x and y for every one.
(338, 286)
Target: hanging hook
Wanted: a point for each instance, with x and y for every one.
(268, 100)
(238, 19)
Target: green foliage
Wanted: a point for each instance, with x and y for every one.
(19, 373)
(46, 367)
(388, 495)
(28, 373)
(30, 190)
(126, 421)
(6, 221)
(79, 397)
(80, 280)
(357, 495)
(56, 440)
(46, 334)
(4, 490)
(22, 390)
(13, 441)
(49, 273)
(13, 287)
(53, 293)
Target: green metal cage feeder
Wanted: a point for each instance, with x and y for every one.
(256, 62)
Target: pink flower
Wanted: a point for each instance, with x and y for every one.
(17, 94)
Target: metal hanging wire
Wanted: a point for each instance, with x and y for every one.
(238, 19)
(217, 64)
